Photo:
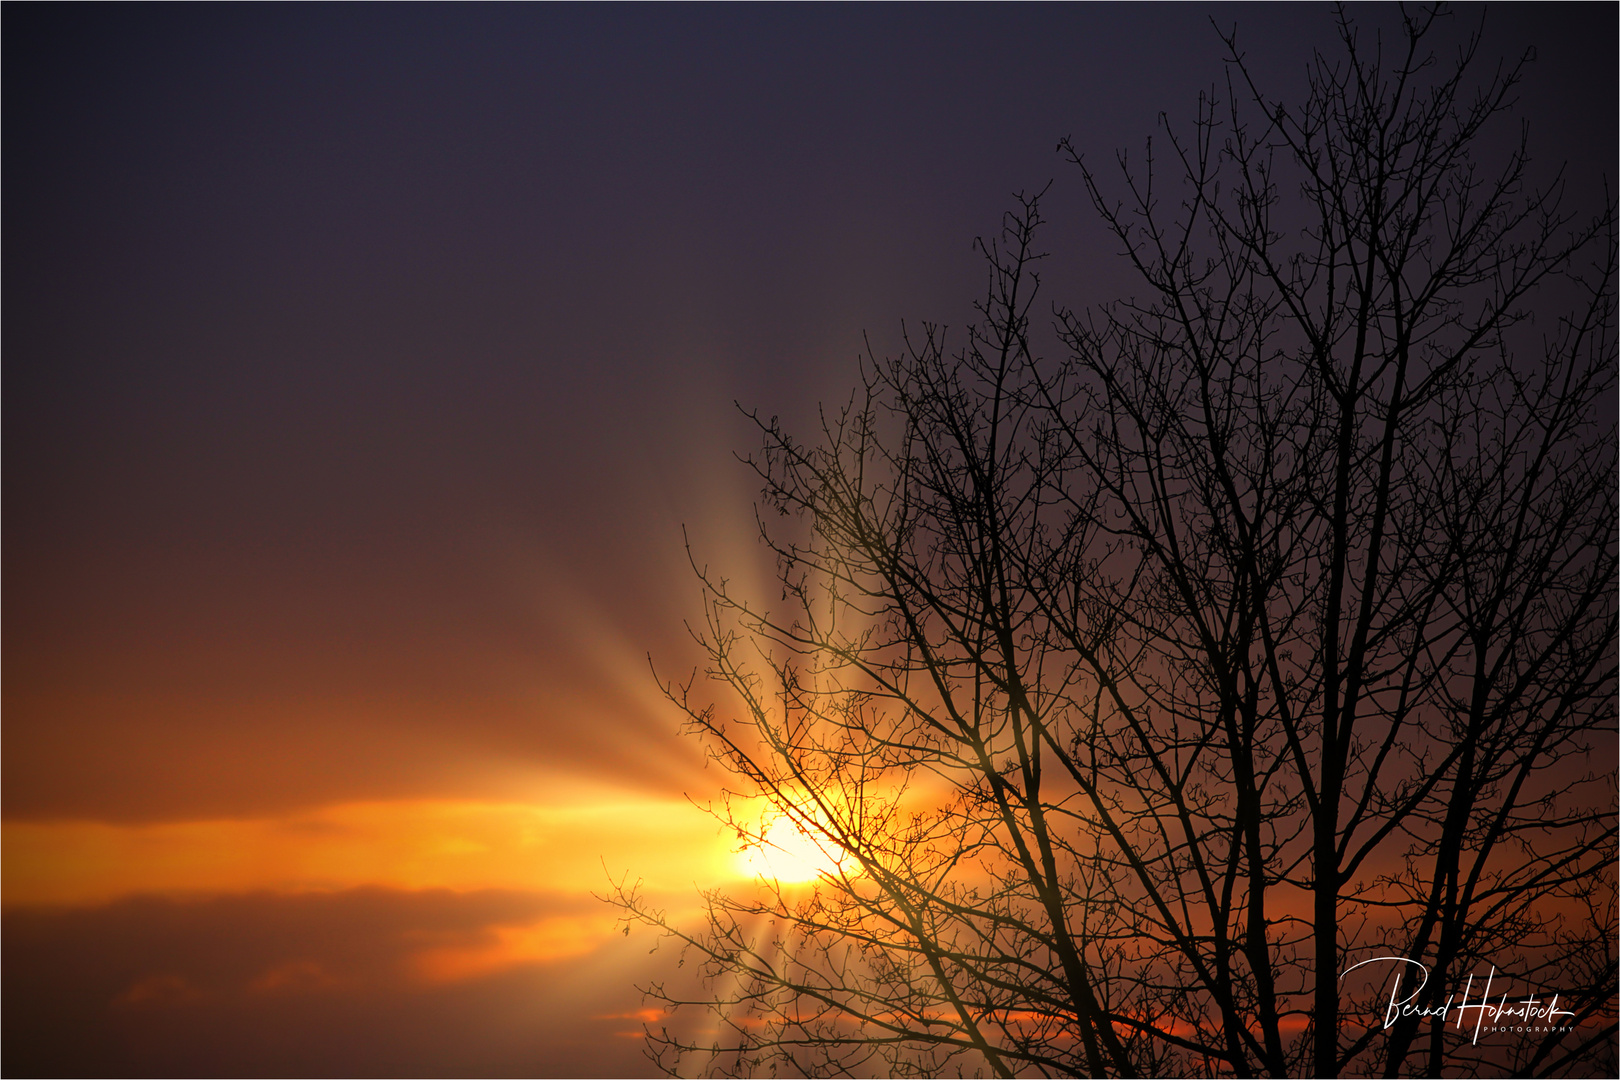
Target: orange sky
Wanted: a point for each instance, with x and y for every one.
(170, 929)
(564, 847)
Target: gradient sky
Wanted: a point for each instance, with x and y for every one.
(362, 366)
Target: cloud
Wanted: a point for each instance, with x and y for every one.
(358, 982)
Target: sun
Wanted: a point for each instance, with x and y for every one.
(790, 855)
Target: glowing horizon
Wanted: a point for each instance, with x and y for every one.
(406, 844)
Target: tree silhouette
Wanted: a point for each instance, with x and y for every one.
(1140, 697)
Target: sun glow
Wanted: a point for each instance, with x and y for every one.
(790, 854)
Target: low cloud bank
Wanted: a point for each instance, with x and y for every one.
(361, 982)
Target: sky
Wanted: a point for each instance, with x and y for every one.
(367, 371)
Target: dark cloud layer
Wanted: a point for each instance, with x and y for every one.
(268, 985)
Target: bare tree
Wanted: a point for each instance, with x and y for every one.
(1139, 698)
